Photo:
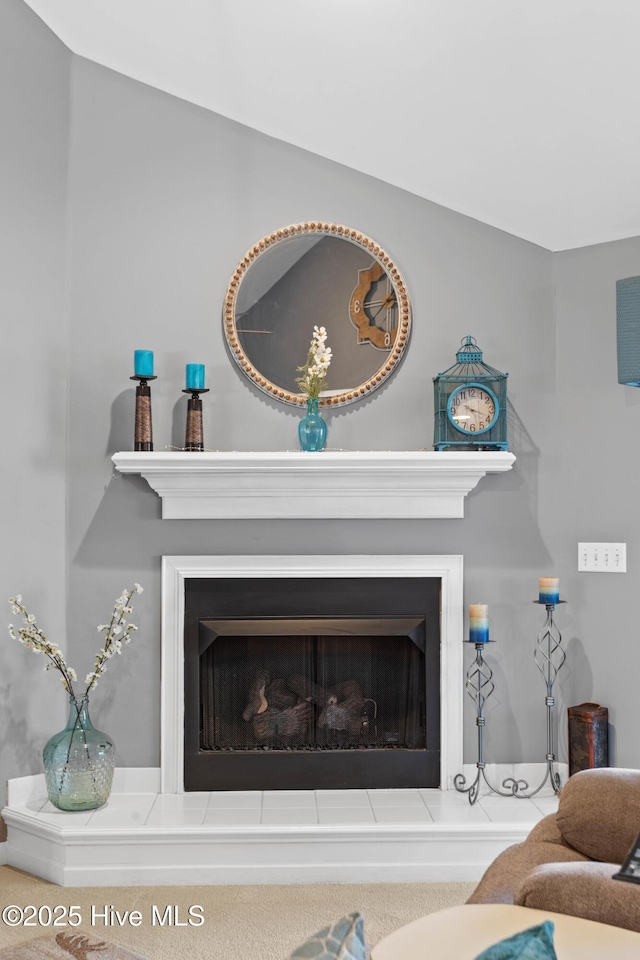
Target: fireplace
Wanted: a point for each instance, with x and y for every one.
(312, 683)
(311, 672)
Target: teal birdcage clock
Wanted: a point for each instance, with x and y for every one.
(470, 402)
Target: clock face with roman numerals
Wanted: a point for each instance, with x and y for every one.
(473, 409)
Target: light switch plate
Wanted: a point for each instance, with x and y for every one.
(602, 557)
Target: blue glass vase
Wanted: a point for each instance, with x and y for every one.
(312, 429)
(79, 762)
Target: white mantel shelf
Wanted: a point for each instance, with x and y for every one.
(296, 485)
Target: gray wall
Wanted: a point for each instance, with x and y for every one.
(34, 107)
(598, 475)
(163, 200)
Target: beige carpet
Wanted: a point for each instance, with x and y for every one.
(240, 923)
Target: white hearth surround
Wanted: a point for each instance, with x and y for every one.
(150, 832)
(176, 570)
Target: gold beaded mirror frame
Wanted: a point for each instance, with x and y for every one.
(317, 274)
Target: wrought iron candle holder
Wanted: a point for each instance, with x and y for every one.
(194, 437)
(143, 434)
(479, 686)
(550, 657)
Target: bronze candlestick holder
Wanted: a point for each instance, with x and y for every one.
(143, 435)
(194, 437)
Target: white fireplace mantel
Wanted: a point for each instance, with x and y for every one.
(334, 483)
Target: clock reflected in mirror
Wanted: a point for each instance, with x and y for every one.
(374, 308)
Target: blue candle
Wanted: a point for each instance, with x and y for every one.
(195, 376)
(478, 623)
(549, 590)
(143, 363)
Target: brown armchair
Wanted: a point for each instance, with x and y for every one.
(567, 861)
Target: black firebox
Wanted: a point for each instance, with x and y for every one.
(312, 683)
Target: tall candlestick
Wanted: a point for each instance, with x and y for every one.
(143, 366)
(195, 376)
(143, 363)
(194, 437)
(549, 590)
(478, 623)
(550, 657)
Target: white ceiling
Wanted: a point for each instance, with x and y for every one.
(521, 113)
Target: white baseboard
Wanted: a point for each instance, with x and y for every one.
(3, 853)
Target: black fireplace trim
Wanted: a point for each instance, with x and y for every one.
(411, 627)
(392, 597)
(300, 770)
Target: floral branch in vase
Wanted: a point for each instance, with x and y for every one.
(79, 761)
(118, 632)
(314, 371)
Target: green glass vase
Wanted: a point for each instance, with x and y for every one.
(312, 429)
(79, 762)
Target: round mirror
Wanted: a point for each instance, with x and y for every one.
(325, 275)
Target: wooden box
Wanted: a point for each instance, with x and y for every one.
(588, 737)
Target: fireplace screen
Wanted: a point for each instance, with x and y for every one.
(301, 683)
(312, 685)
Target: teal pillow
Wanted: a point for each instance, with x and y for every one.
(536, 943)
(343, 940)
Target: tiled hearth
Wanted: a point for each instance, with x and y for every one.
(142, 836)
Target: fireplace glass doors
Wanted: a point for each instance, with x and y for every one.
(325, 684)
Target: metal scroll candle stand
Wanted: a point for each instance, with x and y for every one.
(479, 685)
(550, 657)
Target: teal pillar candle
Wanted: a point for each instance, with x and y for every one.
(549, 590)
(478, 623)
(195, 376)
(143, 363)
